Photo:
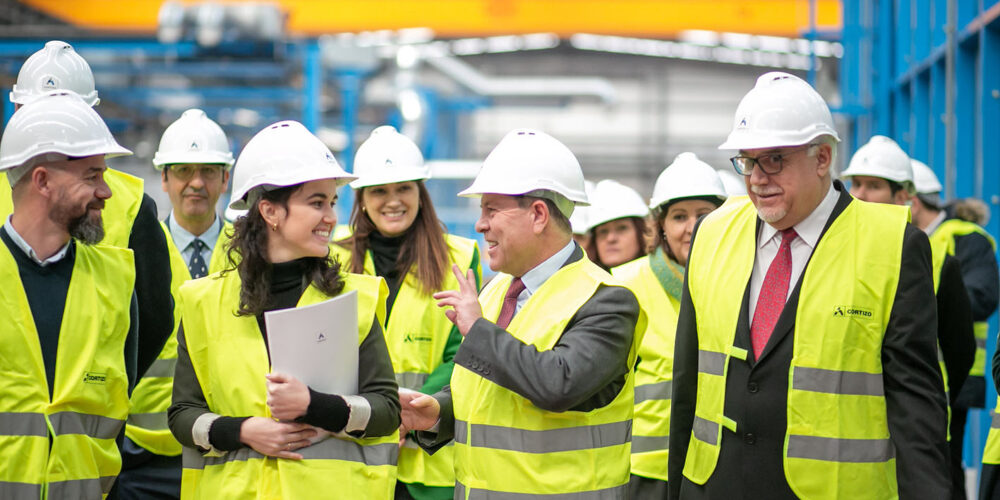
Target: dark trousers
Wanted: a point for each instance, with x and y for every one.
(958, 417)
(146, 475)
(644, 488)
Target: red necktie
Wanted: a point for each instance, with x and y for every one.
(510, 303)
(773, 293)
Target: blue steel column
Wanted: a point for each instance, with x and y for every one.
(312, 87)
(882, 48)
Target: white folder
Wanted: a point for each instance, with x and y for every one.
(317, 344)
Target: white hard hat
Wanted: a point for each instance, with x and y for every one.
(193, 138)
(612, 200)
(686, 177)
(282, 154)
(881, 157)
(734, 183)
(528, 160)
(386, 157)
(924, 179)
(55, 67)
(781, 110)
(579, 221)
(58, 122)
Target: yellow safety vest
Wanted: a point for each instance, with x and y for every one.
(991, 455)
(944, 237)
(230, 360)
(119, 210)
(837, 437)
(654, 371)
(147, 422)
(417, 334)
(506, 445)
(64, 447)
(6, 199)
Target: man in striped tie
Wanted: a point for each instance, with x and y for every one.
(805, 363)
(540, 401)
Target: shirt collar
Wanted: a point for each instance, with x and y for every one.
(810, 228)
(183, 238)
(935, 223)
(30, 252)
(534, 278)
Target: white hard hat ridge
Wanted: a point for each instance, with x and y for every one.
(55, 67)
(282, 154)
(924, 179)
(612, 200)
(579, 221)
(193, 138)
(387, 157)
(58, 122)
(781, 110)
(529, 160)
(686, 177)
(881, 157)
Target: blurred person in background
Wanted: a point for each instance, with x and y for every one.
(232, 414)
(397, 235)
(617, 220)
(685, 191)
(70, 315)
(541, 398)
(975, 250)
(881, 172)
(194, 161)
(579, 220)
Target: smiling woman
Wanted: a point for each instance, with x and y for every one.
(225, 398)
(397, 235)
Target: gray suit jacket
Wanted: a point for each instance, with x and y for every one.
(585, 370)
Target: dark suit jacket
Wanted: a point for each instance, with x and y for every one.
(955, 330)
(585, 370)
(750, 463)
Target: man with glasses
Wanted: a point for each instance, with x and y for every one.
(805, 363)
(194, 159)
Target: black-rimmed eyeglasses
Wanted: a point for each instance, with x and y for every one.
(771, 163)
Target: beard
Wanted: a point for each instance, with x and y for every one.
(87, 229)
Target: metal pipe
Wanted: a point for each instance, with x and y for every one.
(484, 85)
(951, 175)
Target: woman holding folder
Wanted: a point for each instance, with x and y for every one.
(396, 235)
(247, 432)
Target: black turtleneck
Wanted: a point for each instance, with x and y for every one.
(385, 254)
(287, 285)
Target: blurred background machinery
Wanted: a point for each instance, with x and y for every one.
(626, 85)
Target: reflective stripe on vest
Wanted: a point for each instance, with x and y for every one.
(230, 360)
(615, 492)
(328, 449)
(61, 446)
(504, 444)
(837, 438)
(991, 454)
(944, 236)
(417, 335)
(654, 369)
(147, 425)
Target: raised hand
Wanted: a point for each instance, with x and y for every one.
(464, 301)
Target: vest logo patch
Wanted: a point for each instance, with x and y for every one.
(852, 311)
(95, 378)
(410, 338)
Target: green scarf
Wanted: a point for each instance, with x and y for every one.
(670, 273)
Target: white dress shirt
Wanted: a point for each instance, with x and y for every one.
(929, 230)
(183, 239)
(30, 252)
(534, 278)
(769, 240)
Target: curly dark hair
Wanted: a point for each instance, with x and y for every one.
(247, 254)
